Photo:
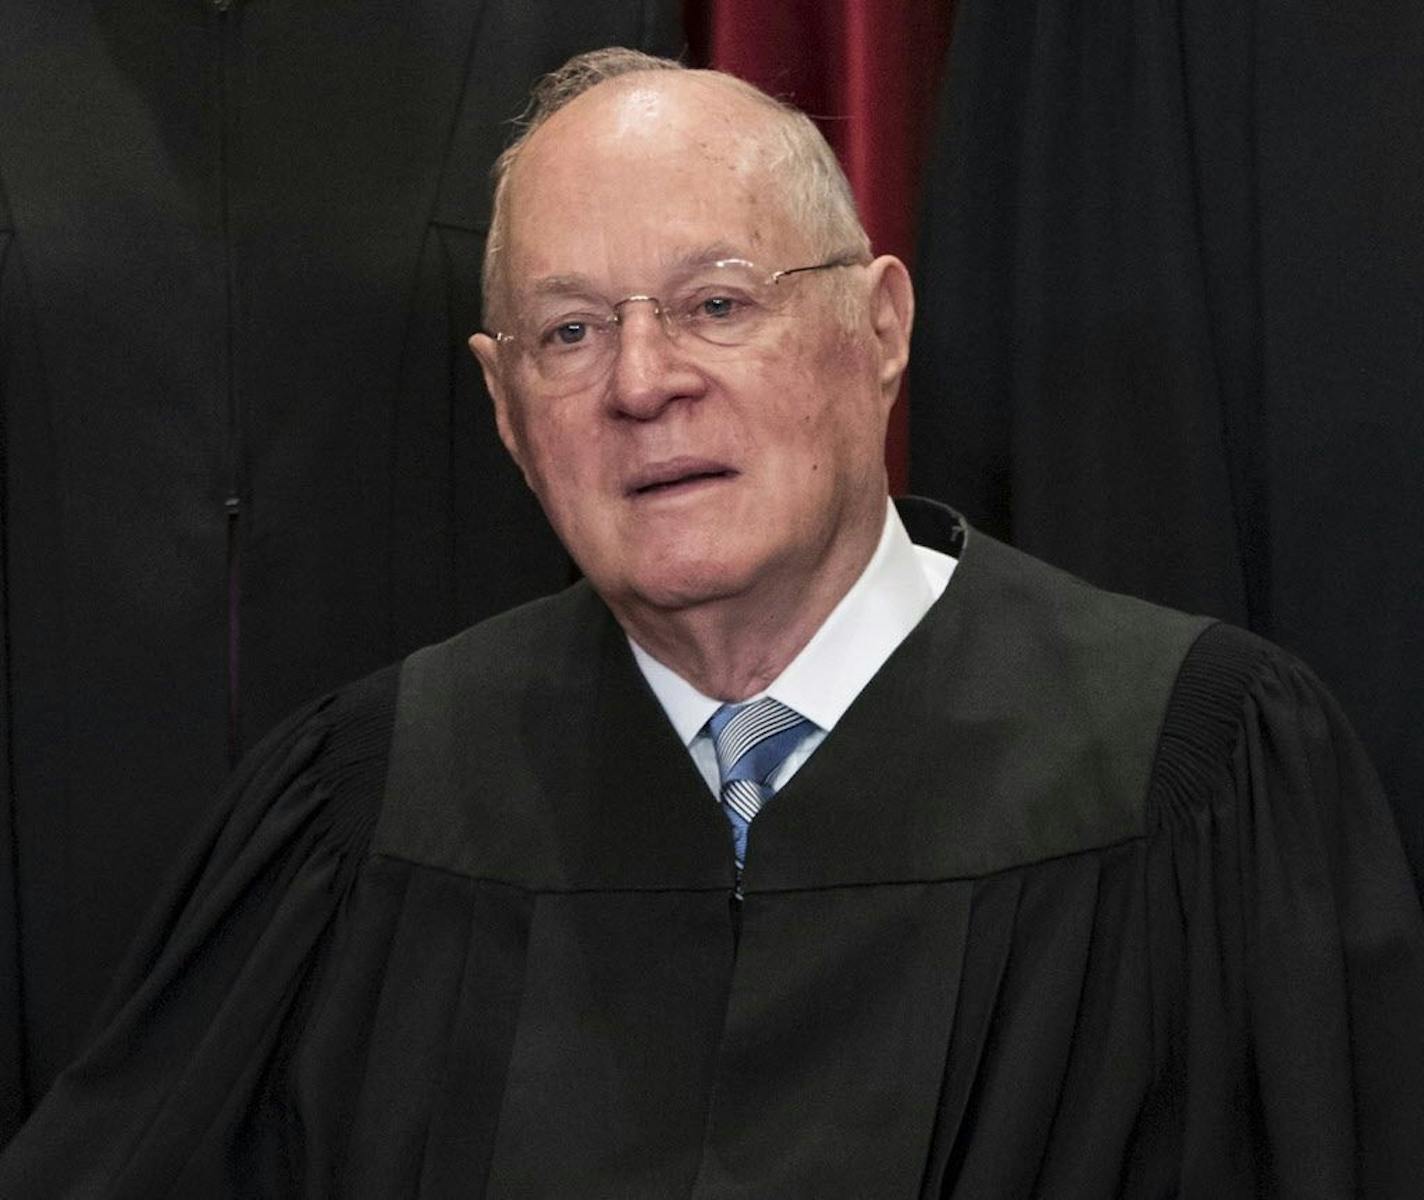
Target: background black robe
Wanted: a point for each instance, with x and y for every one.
(247, 455)
(1081, 898)
(1171, 321)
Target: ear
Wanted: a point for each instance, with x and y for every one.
(892, 313)
(486, 350)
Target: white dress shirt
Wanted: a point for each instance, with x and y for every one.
(899, 584)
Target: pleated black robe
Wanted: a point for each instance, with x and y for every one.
(1082, 898)
(247, 456)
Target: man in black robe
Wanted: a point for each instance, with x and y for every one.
(1048, 892)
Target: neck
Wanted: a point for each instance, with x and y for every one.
(735, 647)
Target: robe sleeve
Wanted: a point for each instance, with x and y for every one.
(176, 1095)
(1291, 934)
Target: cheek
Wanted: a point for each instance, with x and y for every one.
(794, 389)
(561, 452)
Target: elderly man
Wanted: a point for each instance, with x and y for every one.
(809, 848)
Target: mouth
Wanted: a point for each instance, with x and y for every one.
(677, 476)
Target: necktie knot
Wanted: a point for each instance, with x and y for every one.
(752, 741)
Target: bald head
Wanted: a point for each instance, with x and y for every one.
(622, 103)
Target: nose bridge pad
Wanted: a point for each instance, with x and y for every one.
(658, 311)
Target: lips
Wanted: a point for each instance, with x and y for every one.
(677, 474)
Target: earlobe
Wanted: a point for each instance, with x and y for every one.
(486, 351)
(892, 312)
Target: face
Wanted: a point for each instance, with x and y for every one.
(685, 477)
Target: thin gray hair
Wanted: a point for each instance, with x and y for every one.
(816, 192)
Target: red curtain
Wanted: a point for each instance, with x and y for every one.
(868, 72)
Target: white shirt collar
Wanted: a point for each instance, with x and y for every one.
(899, 584)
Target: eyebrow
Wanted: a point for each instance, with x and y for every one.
(563, 285)
(582, 285)
(701, 256)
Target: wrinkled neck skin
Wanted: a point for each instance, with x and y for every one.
(733, 648)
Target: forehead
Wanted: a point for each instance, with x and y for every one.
(639, 173)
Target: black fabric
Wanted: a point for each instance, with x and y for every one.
(247, 455)
(1169, 331)
(1117, 909)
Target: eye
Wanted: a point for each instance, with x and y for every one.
(717, 307)
(568, 332)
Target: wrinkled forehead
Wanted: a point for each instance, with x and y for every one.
(645, 172)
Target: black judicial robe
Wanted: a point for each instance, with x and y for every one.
(1082, 898)
(247, 456)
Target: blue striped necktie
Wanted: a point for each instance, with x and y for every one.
(752, 741)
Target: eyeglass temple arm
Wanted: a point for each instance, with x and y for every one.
(846, 260)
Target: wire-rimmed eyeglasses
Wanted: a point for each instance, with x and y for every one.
(573, 339)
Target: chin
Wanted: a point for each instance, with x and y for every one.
(684, 585)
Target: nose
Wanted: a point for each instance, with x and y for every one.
(652, 368)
